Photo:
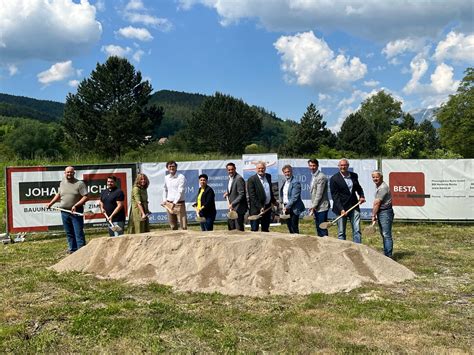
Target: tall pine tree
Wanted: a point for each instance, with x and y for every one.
(310, 134)
(109, 112)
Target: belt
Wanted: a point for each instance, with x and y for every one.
(182, 201)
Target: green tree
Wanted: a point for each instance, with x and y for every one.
(310, 134)
(430, 135)
(31, 139)
(457, 118)
(109, 113)
(381, 111)
(222, 124)
(357, 135)
(406, 144)
(408, 122)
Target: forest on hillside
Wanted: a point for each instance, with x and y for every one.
(128, 120)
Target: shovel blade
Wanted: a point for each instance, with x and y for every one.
(115, 228)
(370, 229)
(325, 225)
(232, 215)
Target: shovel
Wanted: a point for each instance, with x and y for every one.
(231, 214)
(198, 217)
(370, 229)
(283, 216)
(165, 205)
(69, 211)
(113, 227)
(309, 216)
(326, 225)
(257, 216)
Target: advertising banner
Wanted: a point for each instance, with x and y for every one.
(438, 189)
(216, 171)
(29, 190)
(271, 161)
(329, 167)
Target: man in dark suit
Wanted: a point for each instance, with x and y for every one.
(236, 197)
(260, 197)
(290, 196)
(346, 192)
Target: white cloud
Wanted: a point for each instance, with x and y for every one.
(435, 92)
(375, 19)
(356, 96)
(137, 56)
(371, 83)
(401, 46)
(322, 97)
(134, 5)
(12, 69)
(73, 83)
(100, 5)
(457, 46)
(418, 66)
(57, 72)
(114, 50)
(442, 81)
(136, 12)
(142, 34)
(162, 24)
(308, 60)
(49, 30)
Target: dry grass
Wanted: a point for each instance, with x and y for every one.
(43, 311)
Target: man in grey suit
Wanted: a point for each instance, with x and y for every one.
(237, 198)
(319, 196)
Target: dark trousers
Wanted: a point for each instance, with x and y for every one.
(264, 221)
(236, 223)
(293, 223)
(209, 224)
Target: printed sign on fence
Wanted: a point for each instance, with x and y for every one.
(431, 189)
(29, 190)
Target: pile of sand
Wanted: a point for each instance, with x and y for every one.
(236, 263)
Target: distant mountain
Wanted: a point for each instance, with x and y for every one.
(178, 106)
(425, 114)
(20, 106)
(170, 97)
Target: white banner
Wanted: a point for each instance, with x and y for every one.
(439, 189)
(29, 189)
(329, 167)
(214, 169)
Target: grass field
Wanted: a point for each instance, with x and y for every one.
(43, 311)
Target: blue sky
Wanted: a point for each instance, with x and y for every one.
(278, 54)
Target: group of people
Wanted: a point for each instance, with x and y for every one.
(256, 196)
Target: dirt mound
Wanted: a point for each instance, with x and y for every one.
(236, 263)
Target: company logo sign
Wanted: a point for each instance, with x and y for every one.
(408, 189)
(36, 192)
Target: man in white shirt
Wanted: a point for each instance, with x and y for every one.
(173, 197)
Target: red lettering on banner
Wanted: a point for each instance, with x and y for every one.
(408, 189)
